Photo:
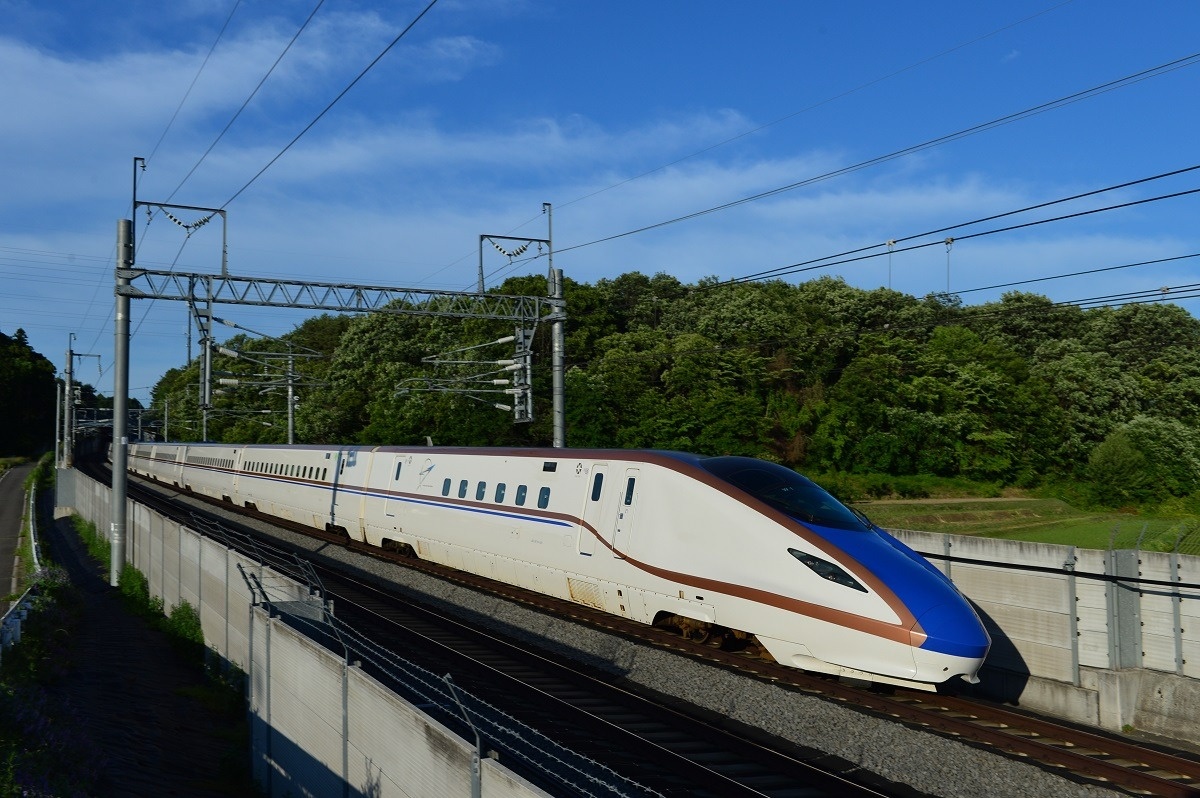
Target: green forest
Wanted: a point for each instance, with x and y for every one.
(823, 377)
(26, 398)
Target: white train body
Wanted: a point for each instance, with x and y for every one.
(641, 534)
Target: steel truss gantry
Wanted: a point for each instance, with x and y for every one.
(337, 297)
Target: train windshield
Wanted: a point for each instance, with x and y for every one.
(785, 490)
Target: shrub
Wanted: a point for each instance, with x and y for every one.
(1118, 471)
(183, 624)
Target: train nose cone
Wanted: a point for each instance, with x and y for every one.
(954, 629)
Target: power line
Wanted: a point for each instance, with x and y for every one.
(250, 97)
(843, 257)
(825, 263)
(965, 132)
(188, 93)
(1079, 274)
(818, 104)
(790, 269)
(333, 102)
(511, 266)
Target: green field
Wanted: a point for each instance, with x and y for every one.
(1037, 520)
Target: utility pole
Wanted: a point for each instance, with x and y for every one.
(558, 345)
(291, 396)
(120, 453)
(58, 386)
(68, 403)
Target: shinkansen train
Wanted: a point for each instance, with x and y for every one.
(728, 546)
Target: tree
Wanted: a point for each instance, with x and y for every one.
(27, 397)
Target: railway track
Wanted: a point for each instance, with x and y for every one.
(663, 750)
(1088, 756)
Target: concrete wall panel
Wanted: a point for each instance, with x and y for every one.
(213, 609)
(238, 621)
(424, 758)
(306, 712)
(189, 568)
(258, 672)
(1030, 623)
(154, 570)
(990, 585)
(1191, 657)
(170, 591)
(1158, 652)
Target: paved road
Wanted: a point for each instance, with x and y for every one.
(12, 499)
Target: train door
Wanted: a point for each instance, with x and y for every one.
(345, 502)
(390, 504)
(593, 514)
(622, 536)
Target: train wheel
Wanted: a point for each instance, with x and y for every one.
(696, 631)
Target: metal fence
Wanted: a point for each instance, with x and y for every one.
(1166, 537)
(14, 617)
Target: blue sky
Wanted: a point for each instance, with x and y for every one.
(621, 114)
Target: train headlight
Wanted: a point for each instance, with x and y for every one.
(827, 570)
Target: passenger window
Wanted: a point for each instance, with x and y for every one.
(500, 488)
(398, 464)
(629, 491)
(521, 491)
(543, 498)
(597, 483)
(324, 473)
(462, 489)
(480, 491)
(446, 486)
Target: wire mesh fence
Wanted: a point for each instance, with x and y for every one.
(1170, 537)
(567, 771)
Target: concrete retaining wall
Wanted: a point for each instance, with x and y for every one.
(316, 718)
(317, 724)
(1078, 633)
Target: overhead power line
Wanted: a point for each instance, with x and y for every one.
(188, 93)
(1078, 274)
(1008, 229)
(792, 268)
(250, 97)
(818, 104)
(332, 102)
(1069, 99)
